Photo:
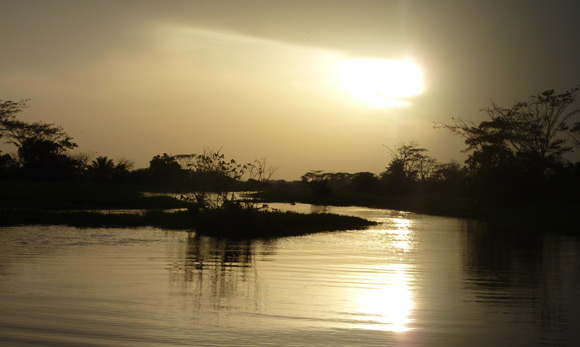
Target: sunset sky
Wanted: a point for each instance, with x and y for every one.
(303, 83)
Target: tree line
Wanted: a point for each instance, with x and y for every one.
(517, 154)
(43, 153)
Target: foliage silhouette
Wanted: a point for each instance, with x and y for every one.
(164, 169)
(219, 178)
(365, 182)
(516, 156)
(44, 159)
(103, 169)
(409, 164)
(18, 132)
(513, 153)
(40, 146)
(319, 182)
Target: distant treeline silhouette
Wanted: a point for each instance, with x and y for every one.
(43, 154)
(516, 155)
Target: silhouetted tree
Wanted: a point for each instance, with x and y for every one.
(515, 149)
(45, 160)
(82, 158)
(365, 182)
(40, 146)
(220, 179)
(102, 168)
(535, 131)
(319, 182)
(409, 164)
(426, 168)
(17, 132)
(260, 171)
(123, 169)
(164, 169)
(215, 172)
(260, 174)
(449, 176)
(8, 112)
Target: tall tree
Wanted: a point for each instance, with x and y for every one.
(17, 132)
(410, 162)
(40, 146)
(164, 169)
(513, 153)
(101, 169)
(409, 165)
(535, 131)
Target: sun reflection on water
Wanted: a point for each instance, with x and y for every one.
(387, 305)
(399, 235)
(402, 224)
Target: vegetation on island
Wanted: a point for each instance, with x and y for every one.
(43, 184)
(517, 174)
(254, 225)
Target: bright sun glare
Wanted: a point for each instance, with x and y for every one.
(381, 83)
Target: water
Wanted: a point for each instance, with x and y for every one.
(412, 280)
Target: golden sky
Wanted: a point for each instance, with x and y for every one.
(135, 79)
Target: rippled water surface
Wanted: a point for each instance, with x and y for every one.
(412, 280)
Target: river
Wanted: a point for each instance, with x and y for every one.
(411, 280)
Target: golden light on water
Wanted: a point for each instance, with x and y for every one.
(400, 234)
(381, 83)
(402, 225)
(388, 305)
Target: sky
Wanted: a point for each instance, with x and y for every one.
(134, 79)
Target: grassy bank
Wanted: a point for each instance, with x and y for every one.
(49, 203)
(55, 203)
(256, 224)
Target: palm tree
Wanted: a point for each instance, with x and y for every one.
(102, 169)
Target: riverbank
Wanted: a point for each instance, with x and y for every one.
(440, 205)
(66, 203)
(257, 224)
(93, 205)
(532, 217)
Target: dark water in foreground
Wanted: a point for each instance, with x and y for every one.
(413, 280)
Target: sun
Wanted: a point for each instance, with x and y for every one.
(381, 83)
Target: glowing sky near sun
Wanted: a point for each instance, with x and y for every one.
(381, 83)
(310, 85)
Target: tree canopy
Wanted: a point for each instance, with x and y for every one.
(18, 132)
(535, 131)
(40, 146)
(515, 153)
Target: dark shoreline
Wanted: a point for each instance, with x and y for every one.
(560, 217)
(263, 224)
(24, 202)
(39, 203)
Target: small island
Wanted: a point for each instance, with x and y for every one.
(239, 225)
